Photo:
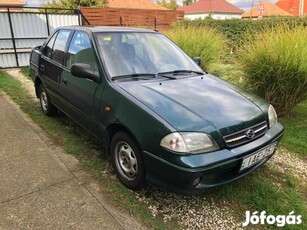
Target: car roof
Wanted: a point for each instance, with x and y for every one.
(97, 29)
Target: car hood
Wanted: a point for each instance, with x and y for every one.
(203, 104)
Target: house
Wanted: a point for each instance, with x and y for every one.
(13, 3)
(293, 6)
(265, 9)
(134, 4)
(217, 9)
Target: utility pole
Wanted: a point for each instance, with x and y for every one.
(301, 8)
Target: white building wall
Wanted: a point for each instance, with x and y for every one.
(213, 15)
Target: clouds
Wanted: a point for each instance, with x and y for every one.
(35, 2)
(246, 4)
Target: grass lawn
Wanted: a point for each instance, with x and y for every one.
(295, 137)
(267, 189)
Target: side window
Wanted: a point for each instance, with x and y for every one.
(81, 51)
(49, 47)
(59, 46)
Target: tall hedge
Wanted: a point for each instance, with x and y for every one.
(235, 29)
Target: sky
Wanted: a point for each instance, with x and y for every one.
(243, 4)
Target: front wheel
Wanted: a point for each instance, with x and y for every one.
(127, 161)
(47, 107)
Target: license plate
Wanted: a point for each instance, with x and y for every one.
(257, 157)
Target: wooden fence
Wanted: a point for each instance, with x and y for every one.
(130, 17)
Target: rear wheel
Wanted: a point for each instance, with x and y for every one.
(47, 107)
(127, 161)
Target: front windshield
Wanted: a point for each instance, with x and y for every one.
(128, 53)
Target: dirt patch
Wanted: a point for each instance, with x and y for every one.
(286, 161)
(26, 83)
(192, 212)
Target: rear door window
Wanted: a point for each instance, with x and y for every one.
(55, 48)
(49, 47)
(59, 46)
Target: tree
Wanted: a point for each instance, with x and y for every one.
(188, 2)
(172, 4)
(162, 3)
(74, 4)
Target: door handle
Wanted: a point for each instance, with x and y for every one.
(42, 68)
(64, 80)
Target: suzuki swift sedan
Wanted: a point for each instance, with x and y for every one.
(162, 118)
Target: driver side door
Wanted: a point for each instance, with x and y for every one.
(82, 97)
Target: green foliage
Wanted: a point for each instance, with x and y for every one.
(172, 4)
(234, 29)
(228, 72)
(188, 2)
(72, 4)
(205, 42)
(275, 64)
(26, 72)
(295, 137)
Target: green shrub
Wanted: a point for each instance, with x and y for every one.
(275, 65)
(234, 29)
(204, 42)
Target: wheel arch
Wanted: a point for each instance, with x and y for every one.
(111, 130)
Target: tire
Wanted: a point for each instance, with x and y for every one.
(47, 107)
(127, 161)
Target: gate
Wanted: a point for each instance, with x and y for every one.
(24, 29)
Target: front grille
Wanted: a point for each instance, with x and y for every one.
(246, 135)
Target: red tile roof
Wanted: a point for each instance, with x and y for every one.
(12, 2)
(269, 10)
(292, 6)
(135, 4)
(211, 6)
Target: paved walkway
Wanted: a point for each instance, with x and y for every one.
(41, 187)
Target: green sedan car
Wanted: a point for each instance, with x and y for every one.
(163, 120)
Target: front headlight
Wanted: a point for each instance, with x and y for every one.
(188, 142)
(272, 116)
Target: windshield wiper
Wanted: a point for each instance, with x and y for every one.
(138, 75)
(178, 72)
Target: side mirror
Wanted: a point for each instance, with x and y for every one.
(85, 71)
(197, 60)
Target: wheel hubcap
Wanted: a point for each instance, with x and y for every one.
(44, 100)
(125, 160)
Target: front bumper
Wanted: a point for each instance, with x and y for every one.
(191, 174)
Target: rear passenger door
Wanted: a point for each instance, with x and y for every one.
(51, 65)
(82, 96)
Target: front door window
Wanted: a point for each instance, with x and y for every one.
(81, 51)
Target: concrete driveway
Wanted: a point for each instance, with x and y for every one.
(41, 187)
